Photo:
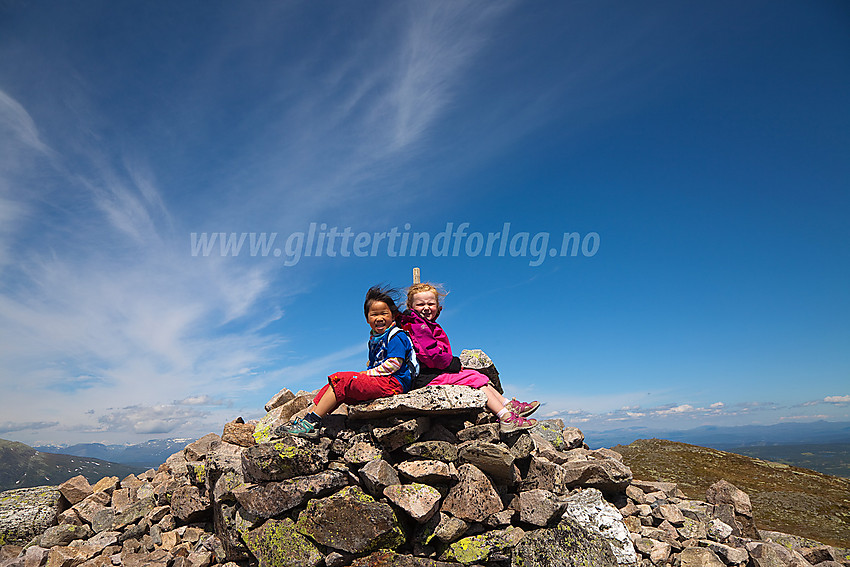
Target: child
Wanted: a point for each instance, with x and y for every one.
(438, 366)
(391, 359)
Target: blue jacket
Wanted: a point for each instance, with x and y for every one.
(384, 346)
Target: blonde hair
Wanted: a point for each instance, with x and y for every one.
(436, 289)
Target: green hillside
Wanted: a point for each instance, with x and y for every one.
(21, 466)
(785, 498)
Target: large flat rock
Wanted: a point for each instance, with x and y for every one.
(430, 400)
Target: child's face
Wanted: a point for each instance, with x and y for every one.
(425, 303)
(380, 317)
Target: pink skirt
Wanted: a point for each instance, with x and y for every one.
(465, 377)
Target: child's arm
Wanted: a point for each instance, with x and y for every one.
(387, 368)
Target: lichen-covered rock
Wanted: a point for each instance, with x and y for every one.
(473, 498)
(198, 450)
(278, 544)
(27, 512)
(590, 510)
(419, 501)
(434, 450)
(351, 521)
(477, 359)
(280, 461)
(567, 545)
(64, 534)
(387, 558)
(481, 547)
(273, 498)
(562, 438)
(427, 401)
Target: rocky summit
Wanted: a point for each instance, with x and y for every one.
(424, 479)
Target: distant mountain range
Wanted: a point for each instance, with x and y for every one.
(149, 454)
(21, 466)
(726, 438)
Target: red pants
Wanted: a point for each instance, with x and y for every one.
(359, 387)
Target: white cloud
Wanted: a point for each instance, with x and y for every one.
(837, 399)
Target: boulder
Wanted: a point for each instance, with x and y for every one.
(278, 543)
(428, 401)
(75, 489)
(482, 547)
(567, 545)
(273, 498)
(419, 501)
(282, 460)
(338, 522)
(590, 510)
(473, 498)
(27, 512)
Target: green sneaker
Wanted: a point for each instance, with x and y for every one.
(303, 428)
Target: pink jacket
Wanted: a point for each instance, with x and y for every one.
(430, 341)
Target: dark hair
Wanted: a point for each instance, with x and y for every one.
(386, 295)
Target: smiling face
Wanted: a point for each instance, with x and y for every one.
(425, 304)
(379, 316)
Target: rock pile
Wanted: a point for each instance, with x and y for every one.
(418, 480)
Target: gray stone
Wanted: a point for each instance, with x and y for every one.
(567, 545)
(670, 513)
(377, 475)
(545, 475)
(562, 438)
(189, 505)
(769, 554)
(495, 460)
(64, 534)
(405, 433)
(428, 401)
(273, 498)
(349, 507)
(482, 547)
(279, 399)
(730, 555)
(27, 512)
(699, 557)
(362, 452)
(724, 494)
(488, 432)
(419, 501)
(597, 516)
(197, 450)
(473, 498)
(606, 475)
(445, 528)
(537, 507)
(429, 472)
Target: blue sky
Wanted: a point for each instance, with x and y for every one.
(698, 149)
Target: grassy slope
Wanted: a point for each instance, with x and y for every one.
(785, 498)
(21, 466)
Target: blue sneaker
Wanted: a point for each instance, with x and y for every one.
(302, 428)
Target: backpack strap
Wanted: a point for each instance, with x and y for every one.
(410, 359)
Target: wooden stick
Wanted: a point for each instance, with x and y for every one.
(416, 275)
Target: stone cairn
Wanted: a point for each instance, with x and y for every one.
(424, 479)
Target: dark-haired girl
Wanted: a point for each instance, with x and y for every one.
(389, 372)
